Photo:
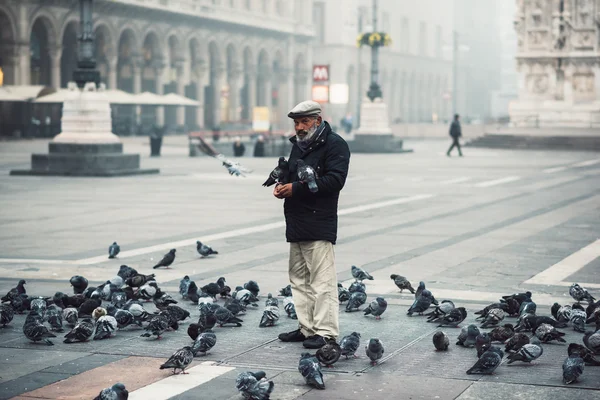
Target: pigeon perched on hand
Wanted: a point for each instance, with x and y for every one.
(488, 362)
(307, 174)
(204, 342)
(402, 283)
(376, 307)
(113, 250)
(181, 359)
(254, 385)
(329, 353)
(441, 341)
(580, 294)
(374, 350)
(167, 260)
(310, 369)
(204, 250)
(115, 392)
(280, 174)
(527, 353)
(572, 368)
(360, 274)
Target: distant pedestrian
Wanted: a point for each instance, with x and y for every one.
(238, 147)
(455, 133)
(259, 147)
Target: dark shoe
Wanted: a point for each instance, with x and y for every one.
(293, 336)
(314, 342)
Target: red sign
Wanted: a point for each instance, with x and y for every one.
(320, 73)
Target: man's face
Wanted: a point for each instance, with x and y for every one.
(305, 124)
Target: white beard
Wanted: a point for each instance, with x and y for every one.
(309, 135)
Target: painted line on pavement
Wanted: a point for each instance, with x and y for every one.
(177, 384)
(456, 180)
(556, 274)
(495, 182)
(553, 170)
(586, 163)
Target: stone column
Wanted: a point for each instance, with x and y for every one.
(137, 65)
(284, 100)
(300, 82)
(112, 62)
(199, 74)
(55, 55)
(251, 81)
(234, 80)
(179, 66)
(159, 69)
(219, 75)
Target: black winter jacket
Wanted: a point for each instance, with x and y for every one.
(313, 216)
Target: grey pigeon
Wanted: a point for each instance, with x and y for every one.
(16, 291)
(453, 318)
(181, 359)
(204, 342)
(37, 332)
(147, 290)
(106, 326)
(280, 173)
(360, 274)
(519, 297)
(126, 272)
(205, 250)
(310, 369)
(356, 300)
(307, 174)
(421, 303)
(270, 316)
(580, 294)
(517, 341)
(439, 311)
(374, 350)
(357, 286)
(572, 368)
(578, 318)
(286, 291)
(79, 284)
(115, 392)
(125, 318)
(483, 312)
(546, 333)
(488, 362)
(585, 353)
(483, 342)
(7, 314)
(468, 336)
(350, 344)
(592, 341)
(563, 313)
(167, 260)
(271, 301)
(82, 332)
(502, 333)
(376, 307)
(402, 283)
(441, 341)
(493, 318)
(177, 312)
(254, 385)
(235, 306)
(253, 287)
(113, 250)
(245, 296)
(156, 326)
(329, 353)
(290, 307)
(138, 280)
(184, 285)
(420, 289)
(39, 305)
(343, 293)
(224, 317)
(527, 307)
(118, 299)
(527, 353)
(54, 318)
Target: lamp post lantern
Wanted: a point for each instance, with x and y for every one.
(86, 62)
(374, 89)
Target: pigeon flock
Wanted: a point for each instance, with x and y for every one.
(98, 313)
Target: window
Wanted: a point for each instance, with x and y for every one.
(438, 41)
(405, 44)
(319, 20)
(423, 39)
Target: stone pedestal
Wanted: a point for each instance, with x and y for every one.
(86, 146)
(375, 134)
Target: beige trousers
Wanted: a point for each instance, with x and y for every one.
(314, 287)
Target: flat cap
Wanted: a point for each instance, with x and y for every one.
(307, 108)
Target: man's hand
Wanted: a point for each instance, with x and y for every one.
(282, 191)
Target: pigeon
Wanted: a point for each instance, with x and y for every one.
(517, 341)
(578, 318)
(329, 353)
(254, 385)
(271, 301)
(167, 259)
(280, 173)
(356, 300)
(162, 300)
(82, 332)
(402, 283)
(245, 296)
(307, 174)
(192, 293)
(585, 353)
(106, 326)
(225, 290)
(113, 250)
(357, 287)
(21, 303)
(137, 309)
(125, 318)
(224, 317)
(453, 318)
(147, 290)
(572, 368)
(54, 318)
(592, 341)
(310, 369)
(502, 333)
(468, 335)
(374, 350)
(181, 359)
(527, 307)
(156, 326)
(376, 307)
(439, 311)
(483, 312)
(290, 307)
(350, 344)
(270, 316)
(420, 289)
(519, 297)
(16, 291)
(79, 284)
(580, 294)
(204, 250)
(213, 289)
(287, 291)
(177, 312)
(98, 312)
(7, 314)
(483, 342)
(204, 342)
(118, 299)
(343, 293)
(39, 305)
(561, 313)
(546, 333)
(33, 317)
(421, 304)
(171, 320)
(138, 280)
(36, 332)
(493, 318)
(235, 306)
(531, 322)
(252, 286)
(115, 392)
(527, 353)
(360, 274)
(126, 272)
(488, 362)
(441, 341)
(184, 285)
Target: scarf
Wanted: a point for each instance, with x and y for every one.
(305, 144)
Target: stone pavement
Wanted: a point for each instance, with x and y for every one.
(473, 228)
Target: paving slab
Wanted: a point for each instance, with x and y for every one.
(503, 391)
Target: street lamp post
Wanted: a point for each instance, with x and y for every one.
(86, 62)
(454, 72)
(374, 89)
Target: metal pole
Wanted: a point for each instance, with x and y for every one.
(359, 71)
(454, 74)
(374, 89)
(86, 63)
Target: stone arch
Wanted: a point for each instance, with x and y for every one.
(8, 40)
(196, 59)
(152, 64)
(42, 39)
(104, 52)
(127, 51)
(68, 58)
(174, 62)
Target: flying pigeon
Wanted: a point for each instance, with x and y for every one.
(115, 392)
(468, 336)
(204, 342)
(205, 250)
(79, 284)
(502, 333)
(270, 316)
(580, 294)
(517, 341)
(82, 332)
(546, 333)
(310, 369)
(572, 368)
(592, 341)
(360, 274)
(488, 362)
(376, 307)
(167, 260)
(374, 350)
(234, 168)
(7, 314)
(126, 272)
(585, 353)
(350, 344)
(113, 250)
(307, 174)
(290, 307)
(181, 359)
(280, 174)
(329, 354)
(441, 341)
(356, 300)
(254, 385)
(402, 283)
(36, 332)
(453, 318)
(527, 353)
(493, 318)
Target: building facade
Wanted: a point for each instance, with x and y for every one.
(230, 55)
